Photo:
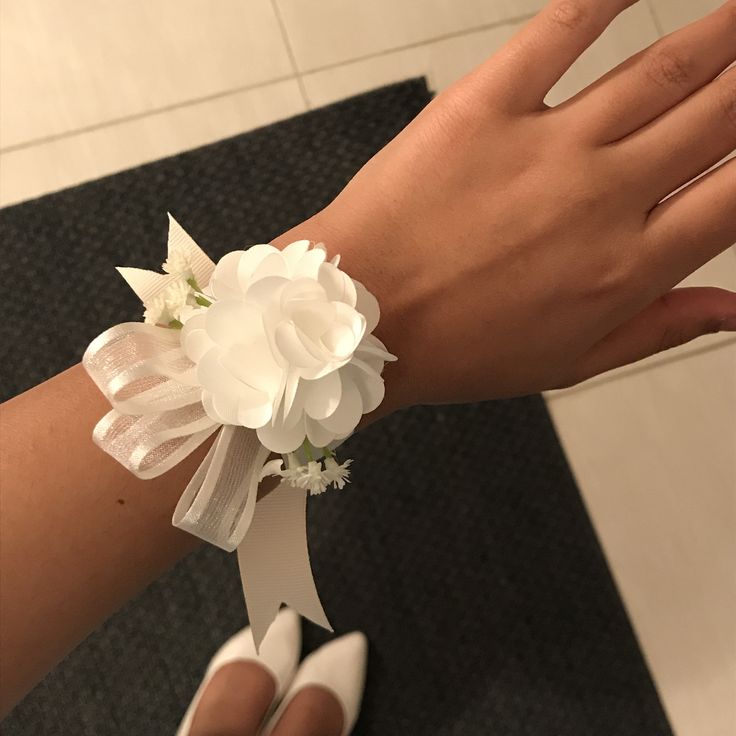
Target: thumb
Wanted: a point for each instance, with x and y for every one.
(677, 317)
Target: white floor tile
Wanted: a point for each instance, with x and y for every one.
(46, 167)
(674, 14)
(631, 32)
(334, 31)
(71, 65)
(442, 62)
(654, 454)
(721, 272)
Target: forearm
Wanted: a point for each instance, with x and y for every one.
(80, 535)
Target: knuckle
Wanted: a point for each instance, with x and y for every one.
(667, 67)
(711, 325)
(671, 337)
(671, 334)
(727, 98)
(729, 13)
(569, 13)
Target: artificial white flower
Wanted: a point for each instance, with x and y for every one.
(169, 303)
(272, 467)
(309, 477)
(168, 296)
(286, 346)
(178, 264)
(336, 473)
(314, 478)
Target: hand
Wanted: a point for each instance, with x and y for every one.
(515, 247)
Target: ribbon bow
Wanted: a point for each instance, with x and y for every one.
(157, 419)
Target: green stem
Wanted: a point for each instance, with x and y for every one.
(328, 452)
(193, 283)
(175, 324)
(202, 301)
(308, 450)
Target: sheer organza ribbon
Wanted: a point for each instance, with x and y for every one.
(157, 419)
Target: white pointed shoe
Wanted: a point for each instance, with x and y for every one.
(338, 666)
(279, 655)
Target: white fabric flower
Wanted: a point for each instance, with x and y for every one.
(170, 303)
(286, 347)
(310, 477)
(178, 264)
(336, 473)
(167, 296)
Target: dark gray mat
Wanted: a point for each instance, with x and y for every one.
(462, 548)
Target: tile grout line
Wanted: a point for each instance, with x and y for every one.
(633, 369)
(246, 88)
(290, 52)
(423, 42)
(655, 18)
(112, 122)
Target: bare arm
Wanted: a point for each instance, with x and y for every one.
(79, 534)
(542, 251)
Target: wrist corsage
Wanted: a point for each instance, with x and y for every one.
(272, 350)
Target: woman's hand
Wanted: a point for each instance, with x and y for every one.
(515, 247)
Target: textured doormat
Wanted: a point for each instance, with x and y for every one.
(462, 548)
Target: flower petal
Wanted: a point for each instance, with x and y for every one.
(279, 438)
(293, 253)
(231, 322)
(299, 290)
(250, 260)
(273, 264)
(367, 304)
(339, 341)
(209, 407)
(322, 395)
(313, 318)
(292, 384)
(372, 347)
(194, 339)
(254, 364)
(215, 378)
(224, 281)
(317, 434)
(254, 416)
(272, 467)
(338, 286)
(347, 315)
(267, 290)
(225, 408)
(348, 413)
(371, 386)
(196, 343)
(308, 265)
(292, 347)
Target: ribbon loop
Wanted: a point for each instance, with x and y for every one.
(218, 503)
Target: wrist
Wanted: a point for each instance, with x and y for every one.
(353, 243)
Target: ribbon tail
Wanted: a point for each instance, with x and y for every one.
(274, 562)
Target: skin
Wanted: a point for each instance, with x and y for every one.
(239, 695)
(546, 240)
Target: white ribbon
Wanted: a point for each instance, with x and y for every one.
(274, 561)
(157, 419)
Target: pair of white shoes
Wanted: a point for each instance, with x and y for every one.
(339, 666)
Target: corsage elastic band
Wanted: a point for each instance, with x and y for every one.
(272, 350)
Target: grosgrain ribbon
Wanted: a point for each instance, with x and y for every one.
(157, 420)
